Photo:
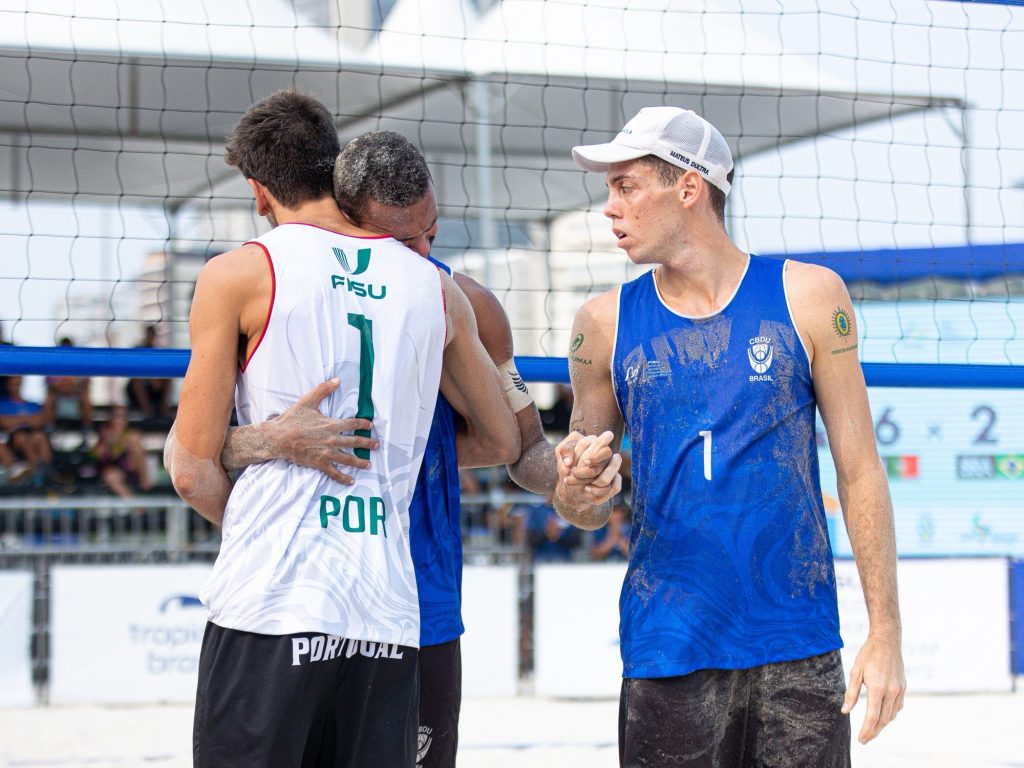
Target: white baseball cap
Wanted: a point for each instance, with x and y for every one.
(677, 136)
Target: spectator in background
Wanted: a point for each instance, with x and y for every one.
(549, 538)
(3, 379)
(67, 399)
(120, 457)
(556, 418)
(7, 461)
(24, 423)
(150, 397)
(611, 542)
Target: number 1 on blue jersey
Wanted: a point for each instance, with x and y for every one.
(706, 434)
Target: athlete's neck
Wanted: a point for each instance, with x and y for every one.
(321, 213)
(702, 275)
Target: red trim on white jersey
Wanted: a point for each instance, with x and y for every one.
(270, 309)
(335, 232)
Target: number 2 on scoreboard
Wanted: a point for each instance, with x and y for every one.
(706, 434)
(364, 405)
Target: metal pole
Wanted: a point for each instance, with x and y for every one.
(965, 164)
(484, 175)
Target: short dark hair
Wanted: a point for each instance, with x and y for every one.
(288, 143)
(716, 197)
(379, 165)
(668, 174)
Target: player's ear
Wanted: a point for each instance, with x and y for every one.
(689, 188)
(262, 197)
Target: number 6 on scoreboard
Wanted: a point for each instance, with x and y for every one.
(706, 434)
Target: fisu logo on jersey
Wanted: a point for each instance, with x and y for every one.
(760, 354)
(360, 289)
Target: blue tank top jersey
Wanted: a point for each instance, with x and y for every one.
(730, 565)
(435, 529)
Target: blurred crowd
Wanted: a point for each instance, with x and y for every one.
(66, 445)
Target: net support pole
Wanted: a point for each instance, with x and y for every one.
(965, 164)
(484, 174)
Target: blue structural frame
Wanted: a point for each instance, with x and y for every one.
(1017, 616)
(171, 363)
(892, 265)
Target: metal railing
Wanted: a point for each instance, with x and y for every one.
(39, 533)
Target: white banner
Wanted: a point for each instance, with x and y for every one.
(956, 623)
(955, 613)
(125, 633)
(576, 630)
(16, 639)
(490, 647)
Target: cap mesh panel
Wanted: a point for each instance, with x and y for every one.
(687, 132)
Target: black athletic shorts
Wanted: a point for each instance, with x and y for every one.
(304, 701)
(785, 714)
(440, 702)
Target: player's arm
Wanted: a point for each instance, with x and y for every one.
(595, 420)
(535, 468)
(495, 335)
(226, 291)
(302, 435)
(470, 382)
(823, 313)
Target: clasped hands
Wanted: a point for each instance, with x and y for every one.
(588, 470)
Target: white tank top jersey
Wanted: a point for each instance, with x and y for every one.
(300, 552)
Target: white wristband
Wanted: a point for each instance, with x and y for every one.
(516, 391)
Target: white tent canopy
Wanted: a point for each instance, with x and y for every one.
(132, 107)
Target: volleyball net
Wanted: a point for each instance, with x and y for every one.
(884, 142)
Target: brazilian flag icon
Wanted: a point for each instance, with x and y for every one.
(1010, 465)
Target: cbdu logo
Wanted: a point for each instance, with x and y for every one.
(760, 354)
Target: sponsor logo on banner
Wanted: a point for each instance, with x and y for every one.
(925, 528)
(125, 633)
(165, 644)
(180, 601)
(983, 532)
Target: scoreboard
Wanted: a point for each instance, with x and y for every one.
(955, 463)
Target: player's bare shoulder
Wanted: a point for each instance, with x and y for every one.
(601, 311)
(822, 309)
(239, 283)
(238, 268)
(458, 312)
(492, 323)
(593, 332)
